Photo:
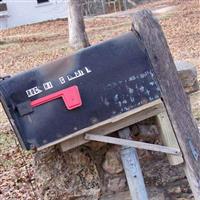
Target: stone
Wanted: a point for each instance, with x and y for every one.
(95, 146)
(188, 75)
(175, 189)
(148, 133)
(145, 131)
(117, 184)
(112, 163)
(66, 176)
(158, 171)
(155, 193)
(118, 196)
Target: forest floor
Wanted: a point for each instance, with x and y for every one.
(24, 47)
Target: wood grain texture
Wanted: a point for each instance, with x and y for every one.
(168, 137)
(134, 144)
(174, 97)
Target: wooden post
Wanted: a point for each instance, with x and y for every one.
(132, 169)
(174, 97)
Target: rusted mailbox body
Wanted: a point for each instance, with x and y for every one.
(48, 103)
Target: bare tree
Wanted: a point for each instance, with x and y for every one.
(132, 2)
(77, 35)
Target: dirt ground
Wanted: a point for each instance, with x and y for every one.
(27, 46)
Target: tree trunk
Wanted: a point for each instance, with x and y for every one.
(77, 36)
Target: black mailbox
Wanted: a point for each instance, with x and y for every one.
(50, 102)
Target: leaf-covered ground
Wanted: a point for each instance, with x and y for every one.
(25, 47)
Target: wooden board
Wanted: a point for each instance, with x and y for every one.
(168, 137)
(124, 120)
(133, 144)
(150, 33)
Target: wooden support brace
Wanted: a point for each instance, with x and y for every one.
(134, 144)
(173, 94)
(168, 137)
(132, 169)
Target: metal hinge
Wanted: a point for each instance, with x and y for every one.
(2, 78)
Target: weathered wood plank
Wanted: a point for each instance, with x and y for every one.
(134, 144)
(168, 137)
(132, 169)
(114, 124)
(174, 97)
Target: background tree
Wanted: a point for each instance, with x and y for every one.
(77, 35)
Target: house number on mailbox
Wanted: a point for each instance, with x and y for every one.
(48, 85)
